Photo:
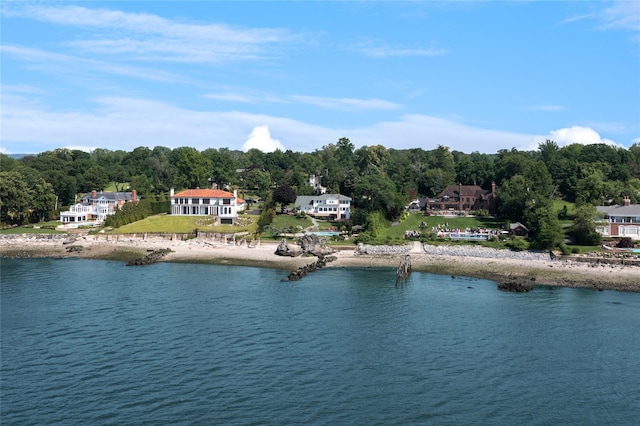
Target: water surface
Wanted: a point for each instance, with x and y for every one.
(95, 342)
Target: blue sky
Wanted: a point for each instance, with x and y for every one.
(473, 76)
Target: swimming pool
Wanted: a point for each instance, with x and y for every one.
(324, 233)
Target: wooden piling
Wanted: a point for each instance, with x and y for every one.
(404, 269)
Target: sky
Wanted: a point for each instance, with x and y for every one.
(299, 75)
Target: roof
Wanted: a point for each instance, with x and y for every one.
(118, 196)
(517, 225)
(618, 210)
(452, 191)
(306, 200)
(203, 193)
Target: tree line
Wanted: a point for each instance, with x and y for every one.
(378, 179)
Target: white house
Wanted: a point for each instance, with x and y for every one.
(207, 202)
(332, 206)
(95, 206)
(620, 221)
(314, 182)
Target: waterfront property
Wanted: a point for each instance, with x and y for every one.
(330, 206)
(620, 220)
(464, 198)
(222, 205)
(95, 206)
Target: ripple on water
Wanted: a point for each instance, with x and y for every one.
(205, 344)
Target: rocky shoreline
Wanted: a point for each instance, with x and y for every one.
(598, 273)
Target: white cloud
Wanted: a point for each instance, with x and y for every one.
(571, 135)
(126, 123)
(72, 66)
(622, 15)
(382, 50)
(150, 37)
(578, 134)
(346, 103)
(260, 138)
(549, 108)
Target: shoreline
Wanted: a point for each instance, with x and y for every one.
(560, 272)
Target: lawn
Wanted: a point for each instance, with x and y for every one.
(111, 187)
(412, 223)
(282, 221)
(163, 223)
(30, 229)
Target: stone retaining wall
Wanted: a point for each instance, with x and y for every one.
(484, 252)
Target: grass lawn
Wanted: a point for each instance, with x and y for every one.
(30, 230)
(412, 223)
(111, 187)
(184, 224)
(282, 221)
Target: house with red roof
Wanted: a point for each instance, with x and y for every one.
(222, 205)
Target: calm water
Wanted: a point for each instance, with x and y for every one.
(95, 342)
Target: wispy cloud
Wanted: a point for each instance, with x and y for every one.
(145, 36)
(549, 108)
(621, 15)
(120, 123)
(346, 103)
(383, 50)
(337, 104)
(72, 65)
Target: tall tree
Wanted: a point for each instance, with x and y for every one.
(44, 199)
(15, 197)
(284, 194)
(192, 168)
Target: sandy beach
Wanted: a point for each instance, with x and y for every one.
(559, 272)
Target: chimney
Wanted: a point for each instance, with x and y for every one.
(493, 188)
(134, 195)
(460, 196)
(94, 194)
(626, 201)
(171, 191)
(235, 193)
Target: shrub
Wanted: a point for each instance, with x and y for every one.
(517, 244)
(625, 242)
(565, 249)
(575, 250)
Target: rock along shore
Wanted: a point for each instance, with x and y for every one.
(472, 261)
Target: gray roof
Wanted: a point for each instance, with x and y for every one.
(517, 225)
(307, 200)
(117, 196)
(618, 210)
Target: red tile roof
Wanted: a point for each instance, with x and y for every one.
(204, 193)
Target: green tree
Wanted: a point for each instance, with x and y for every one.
(258, 180)
(545, 231)
(376, 192)
(15, 197)
(584, 227)
(192, 168)
(44, 199)
(591, 189)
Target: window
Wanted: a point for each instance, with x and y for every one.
(226, 201)
(206, 200)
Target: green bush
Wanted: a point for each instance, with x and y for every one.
(565, 249)
(575, 250)
(517, 244)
